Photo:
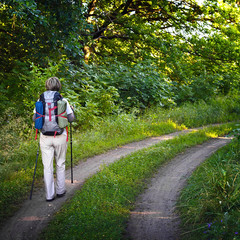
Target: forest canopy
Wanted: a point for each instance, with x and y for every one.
(121, 54)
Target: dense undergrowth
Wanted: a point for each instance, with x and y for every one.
(101, 209)
(18, 149)
(210, 203)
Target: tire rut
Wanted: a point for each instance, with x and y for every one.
(154, 217)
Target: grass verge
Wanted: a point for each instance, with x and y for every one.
(16, 171)
(210, 204)
(101, 208)
(17, 157)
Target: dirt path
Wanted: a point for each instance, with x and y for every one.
(35, 214)
(154, 217)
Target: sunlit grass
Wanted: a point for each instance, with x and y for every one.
(17, 156)
(17, 167)
(218, 110)
(101, 209)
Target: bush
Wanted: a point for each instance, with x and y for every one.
(140, 85)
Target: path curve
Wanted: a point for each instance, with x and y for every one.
(154, 217)
(35, 214)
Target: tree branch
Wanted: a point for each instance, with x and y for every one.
(4, 31)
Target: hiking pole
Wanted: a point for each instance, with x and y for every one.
(71, 152)
(34, 172)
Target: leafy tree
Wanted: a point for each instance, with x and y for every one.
(33, 30)
(148, 52)
(130, 29)
(218, 48)
(196, 46)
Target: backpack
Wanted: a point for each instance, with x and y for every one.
(51, 115)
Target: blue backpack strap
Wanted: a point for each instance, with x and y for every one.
(42, 99)
(39, 116)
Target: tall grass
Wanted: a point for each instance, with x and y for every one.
(210, 204)
(100, 210)
(218, 110)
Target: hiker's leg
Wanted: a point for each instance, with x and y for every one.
(60, 146)
(47, 150)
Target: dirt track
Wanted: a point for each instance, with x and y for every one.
(154, 217)
(35, 214)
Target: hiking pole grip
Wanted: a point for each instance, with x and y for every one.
(34, 171)
(71, 153)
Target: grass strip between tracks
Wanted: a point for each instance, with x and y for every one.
(101, 208)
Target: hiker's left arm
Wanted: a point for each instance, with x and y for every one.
(71, 117)
(34, 117)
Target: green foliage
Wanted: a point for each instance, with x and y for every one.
(31, 33)
(33, 30)
(97, 91)
(16, 172)
(134, 30)
(12, 129)
(91, 97)
(140, 86)
(12, 87)
(226, 228)
(215, 212)
(131, 45)
(99, 102)
(136, 62)
(24, 85)
(236, 133)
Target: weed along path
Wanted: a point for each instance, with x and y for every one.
(35, 214)
(154, 216)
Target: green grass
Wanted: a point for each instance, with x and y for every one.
(16, 169)
(113, 132)
(210, 203)
(101, 208)
(17, 156)
(218, 110)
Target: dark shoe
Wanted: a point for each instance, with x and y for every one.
(50, 200)
(61, 195)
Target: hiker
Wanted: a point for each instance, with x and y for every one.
(53, 139)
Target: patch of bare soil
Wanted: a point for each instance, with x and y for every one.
(154, 217)
(35, 214)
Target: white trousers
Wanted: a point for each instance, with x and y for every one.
(53, 147)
